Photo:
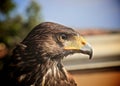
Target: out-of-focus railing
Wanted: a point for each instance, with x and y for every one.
(106, 53)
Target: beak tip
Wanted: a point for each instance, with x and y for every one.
(90, 57)
(87, 50)
(90, 54)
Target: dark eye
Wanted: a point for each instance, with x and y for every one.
(63, 36)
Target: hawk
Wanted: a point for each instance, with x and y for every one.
(37, 60)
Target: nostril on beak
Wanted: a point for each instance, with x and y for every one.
(83, 43)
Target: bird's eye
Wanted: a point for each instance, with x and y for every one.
(62, 37)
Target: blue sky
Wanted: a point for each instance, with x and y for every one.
(78, 13)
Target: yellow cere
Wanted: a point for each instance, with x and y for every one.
(77, 43)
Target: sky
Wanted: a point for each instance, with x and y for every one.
(78, 13)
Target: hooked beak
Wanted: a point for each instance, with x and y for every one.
(79, 45)
(86, 49)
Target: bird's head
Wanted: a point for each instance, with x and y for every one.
(55, 41)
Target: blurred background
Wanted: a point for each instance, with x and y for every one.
(97, 20)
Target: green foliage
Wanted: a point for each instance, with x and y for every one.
(13, 30)
(33, 15)
(9, 30)
(6, 6)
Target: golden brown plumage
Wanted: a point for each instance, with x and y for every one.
(37, 60)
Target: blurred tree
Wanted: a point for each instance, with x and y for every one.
(14, 29)
(32, 13)
(9, 30)
(6, 6)
(33, 18)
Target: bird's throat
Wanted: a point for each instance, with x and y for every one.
(56, 75)
(50, 73)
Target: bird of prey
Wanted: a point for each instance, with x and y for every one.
(37, 60)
